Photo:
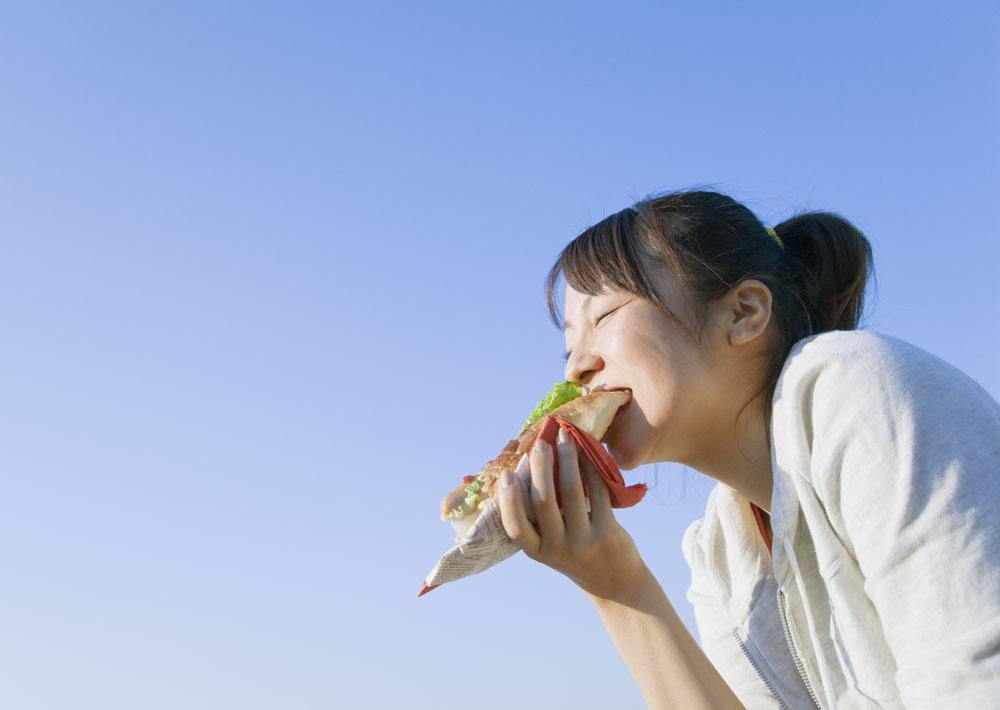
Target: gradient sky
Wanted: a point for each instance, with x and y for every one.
(271, 281)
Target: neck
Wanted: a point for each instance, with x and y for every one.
(741, 456)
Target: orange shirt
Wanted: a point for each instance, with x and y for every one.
(760, 515)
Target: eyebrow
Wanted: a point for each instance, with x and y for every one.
(566, 324)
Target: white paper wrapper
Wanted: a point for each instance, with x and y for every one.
(484, 545)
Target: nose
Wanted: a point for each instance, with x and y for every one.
(582, 367)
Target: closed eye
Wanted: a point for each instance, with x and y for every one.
(616, 308)
(566, 355)
(600, 318)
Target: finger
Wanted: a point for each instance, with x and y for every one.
(543, 493)
(512, 515)
(522, 477)
(571, 486)
(600, 500)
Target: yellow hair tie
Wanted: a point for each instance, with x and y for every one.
(775, 237)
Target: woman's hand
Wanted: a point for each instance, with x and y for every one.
(591, 548)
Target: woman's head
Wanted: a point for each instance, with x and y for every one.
(710, 305)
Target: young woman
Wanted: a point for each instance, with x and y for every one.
(849, 556)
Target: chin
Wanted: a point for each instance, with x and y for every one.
(624, 463)
(625, 455)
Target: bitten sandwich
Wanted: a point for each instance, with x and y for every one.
(481, 540)
(591, 413)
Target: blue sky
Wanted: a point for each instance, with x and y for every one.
(271, 282)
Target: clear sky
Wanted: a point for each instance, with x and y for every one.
(271, 282)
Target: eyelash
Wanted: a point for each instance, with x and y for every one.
(567, 355)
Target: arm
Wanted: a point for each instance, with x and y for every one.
(670, 669)
(601, 558)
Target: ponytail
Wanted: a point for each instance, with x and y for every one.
(834, 262)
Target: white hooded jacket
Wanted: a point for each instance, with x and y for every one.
(882, 588)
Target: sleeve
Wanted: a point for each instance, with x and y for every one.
(716, 634)
(906, 455)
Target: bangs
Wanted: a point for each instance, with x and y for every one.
(604, 256)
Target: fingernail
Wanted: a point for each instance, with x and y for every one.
(562, 437)
(522, 467)
(506, 478)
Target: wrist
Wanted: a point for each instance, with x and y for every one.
(629, 590)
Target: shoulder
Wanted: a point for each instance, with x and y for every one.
(874, 400)
(859, 368)
(856, 352)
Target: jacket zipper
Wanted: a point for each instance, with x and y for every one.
(743, 648)
(791, 648)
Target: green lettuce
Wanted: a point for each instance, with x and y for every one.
(560, 394)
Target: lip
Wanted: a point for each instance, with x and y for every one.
(610, 389)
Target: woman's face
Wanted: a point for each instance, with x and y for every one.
(619, 341)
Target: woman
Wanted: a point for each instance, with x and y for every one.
(849, 556)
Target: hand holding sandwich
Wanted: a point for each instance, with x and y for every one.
(473, 506)
(591, 548)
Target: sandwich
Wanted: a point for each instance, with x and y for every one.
(592, 413)
(472, 507)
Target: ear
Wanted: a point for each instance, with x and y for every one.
(746, 311)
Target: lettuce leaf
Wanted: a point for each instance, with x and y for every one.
(560, 394)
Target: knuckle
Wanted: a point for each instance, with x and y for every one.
(541, 497)
(578, 548)
(515, 531)
(570, 483)
(546, 551)
(534, 554)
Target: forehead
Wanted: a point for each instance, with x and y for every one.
(576, 300)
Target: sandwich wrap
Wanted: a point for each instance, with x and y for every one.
(485, 543)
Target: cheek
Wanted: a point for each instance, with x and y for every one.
(656, 414)
(655, 388)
